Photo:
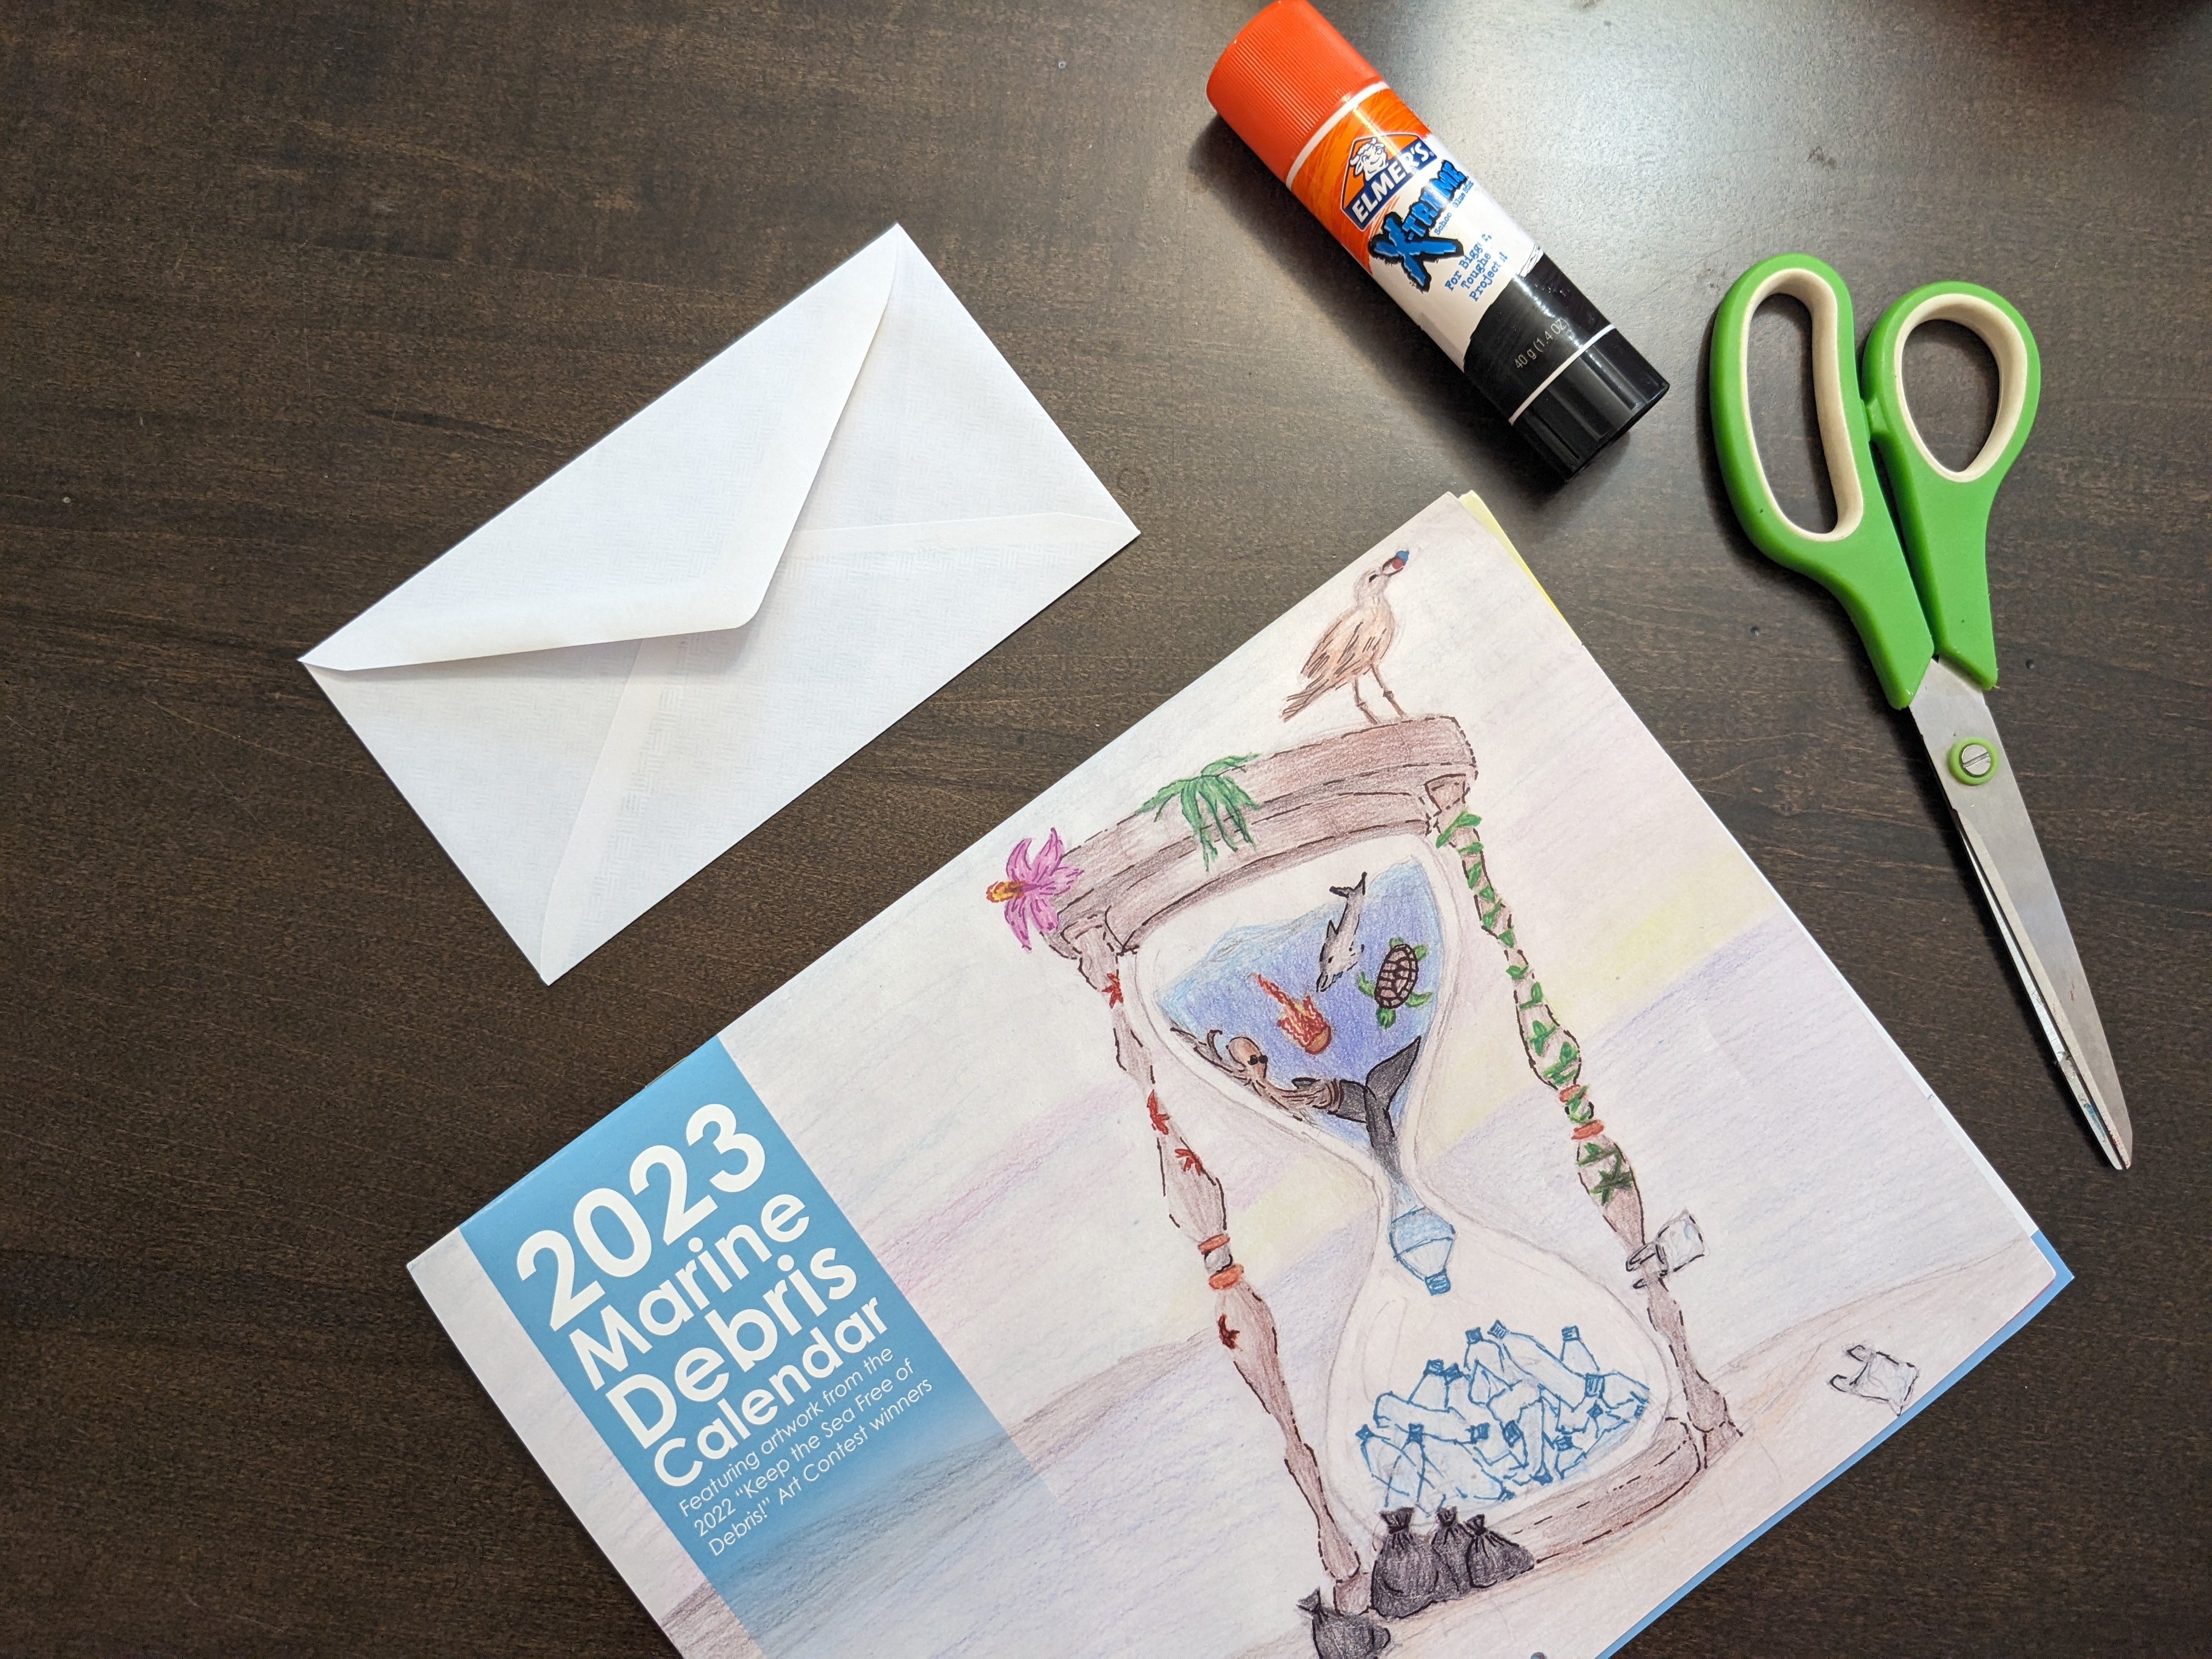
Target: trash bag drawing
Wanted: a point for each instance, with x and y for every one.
(1881, 1377)
(1492, 1558)
(1404, 1580)
(1342, 1635)
(1448, 1543)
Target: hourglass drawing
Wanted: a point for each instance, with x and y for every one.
(1292, 948)
(1443, 1391)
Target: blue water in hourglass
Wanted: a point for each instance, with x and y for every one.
(1223, 993)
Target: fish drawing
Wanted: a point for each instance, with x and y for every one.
(1339, 944)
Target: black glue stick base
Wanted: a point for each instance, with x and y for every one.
(1564, 378)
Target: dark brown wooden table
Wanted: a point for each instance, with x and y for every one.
(292, 296)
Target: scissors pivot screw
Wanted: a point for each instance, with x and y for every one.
(1973, 760)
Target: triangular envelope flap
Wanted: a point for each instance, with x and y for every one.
(939, 427)
(672, 523)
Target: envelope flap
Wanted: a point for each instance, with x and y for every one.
(674, 523)
(941, 427)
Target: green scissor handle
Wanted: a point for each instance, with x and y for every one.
(1860, 561)
(1930, 591)
(1946, 513)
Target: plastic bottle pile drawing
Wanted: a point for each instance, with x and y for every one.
(1511, 1415)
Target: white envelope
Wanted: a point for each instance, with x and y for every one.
(628, 671)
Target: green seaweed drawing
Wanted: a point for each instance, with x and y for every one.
(1212, 799)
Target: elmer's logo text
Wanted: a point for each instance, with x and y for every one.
(1378, 167)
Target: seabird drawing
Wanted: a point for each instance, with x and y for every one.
(1354, 645)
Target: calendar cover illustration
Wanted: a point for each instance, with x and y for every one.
(1363, 1163)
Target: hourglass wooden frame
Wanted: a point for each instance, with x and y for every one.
(1410, 777)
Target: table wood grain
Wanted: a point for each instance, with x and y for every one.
(293, 296)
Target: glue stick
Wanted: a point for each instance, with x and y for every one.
(1369, 168)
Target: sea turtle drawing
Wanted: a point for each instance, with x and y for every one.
(1392, 987)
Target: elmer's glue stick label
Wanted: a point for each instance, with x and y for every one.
(1403, 205)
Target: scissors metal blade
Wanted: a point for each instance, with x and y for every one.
(1954, 723)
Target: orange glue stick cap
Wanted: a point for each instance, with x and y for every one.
(1286, 73)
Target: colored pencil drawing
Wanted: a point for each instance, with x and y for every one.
(1479, 1411)
(1511, 1422)
(1029, 886)
(1353, 646)
(1880, 1376)
(1313, 1331)
(1340, 939)
(1212, 805)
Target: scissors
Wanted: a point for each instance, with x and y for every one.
(1921, 603)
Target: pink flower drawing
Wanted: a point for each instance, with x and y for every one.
(1031, 885)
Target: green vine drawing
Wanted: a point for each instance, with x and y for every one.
(1553, 1053)
(1213, 804)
